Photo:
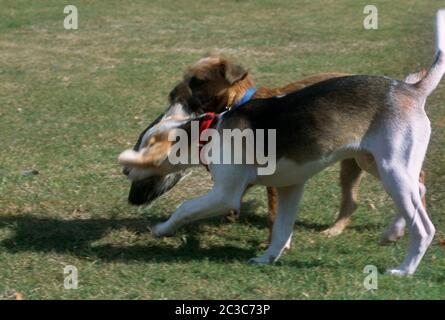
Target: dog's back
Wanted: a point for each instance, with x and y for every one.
(321, 118)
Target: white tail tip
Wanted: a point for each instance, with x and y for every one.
(440, 27)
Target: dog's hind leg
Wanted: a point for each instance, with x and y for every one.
(405, 192)
(288, 199)
(396, 229)
(230, 182)
(399, 163)
(350, 177)
(272, 196)
(272, 201)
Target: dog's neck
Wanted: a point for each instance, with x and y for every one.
(237, 92)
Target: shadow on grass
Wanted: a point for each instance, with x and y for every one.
(319, 227)
(76, 236)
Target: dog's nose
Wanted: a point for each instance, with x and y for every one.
(126, 171)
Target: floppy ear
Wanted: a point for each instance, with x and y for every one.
(153, 157)
(232, 72)
(129, 157)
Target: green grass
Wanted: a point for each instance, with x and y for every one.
(70, 101)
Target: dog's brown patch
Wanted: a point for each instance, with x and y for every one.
(297, 85)
(153, 153)
(216, 83)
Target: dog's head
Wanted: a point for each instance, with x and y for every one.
(146, 190)
(210, 85)
(150, 159)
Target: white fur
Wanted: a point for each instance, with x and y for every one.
(176, 110)
(413, 77)
(432, 79)
(128, 156)
(440, 27)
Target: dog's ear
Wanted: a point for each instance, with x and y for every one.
(153, 156)
(232, 72)
(157, 154)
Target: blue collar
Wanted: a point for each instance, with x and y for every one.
(247, 96)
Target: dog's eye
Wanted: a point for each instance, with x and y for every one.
(196, 82)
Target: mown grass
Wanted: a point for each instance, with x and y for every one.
(70, 101)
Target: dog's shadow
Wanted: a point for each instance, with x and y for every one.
(75, 237)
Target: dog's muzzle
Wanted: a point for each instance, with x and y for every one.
(147, 190)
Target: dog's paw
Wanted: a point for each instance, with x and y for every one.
(390, 237)
(158, 231)
(232, 216)
(332, 231)
(153, 230)
(264, 245)
(398, 272)
(262, 260)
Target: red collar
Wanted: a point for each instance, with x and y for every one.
(206, 122)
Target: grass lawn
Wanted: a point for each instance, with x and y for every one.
(71, 100)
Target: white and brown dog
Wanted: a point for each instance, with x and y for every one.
(379, 122)
(214, 84)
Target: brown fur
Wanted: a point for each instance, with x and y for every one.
(217, 83)
(153, 153)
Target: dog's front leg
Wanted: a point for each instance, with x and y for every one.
(229, 186)
(288, 199)
(206, 206)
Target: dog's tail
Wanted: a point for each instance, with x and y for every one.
(436, 71)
